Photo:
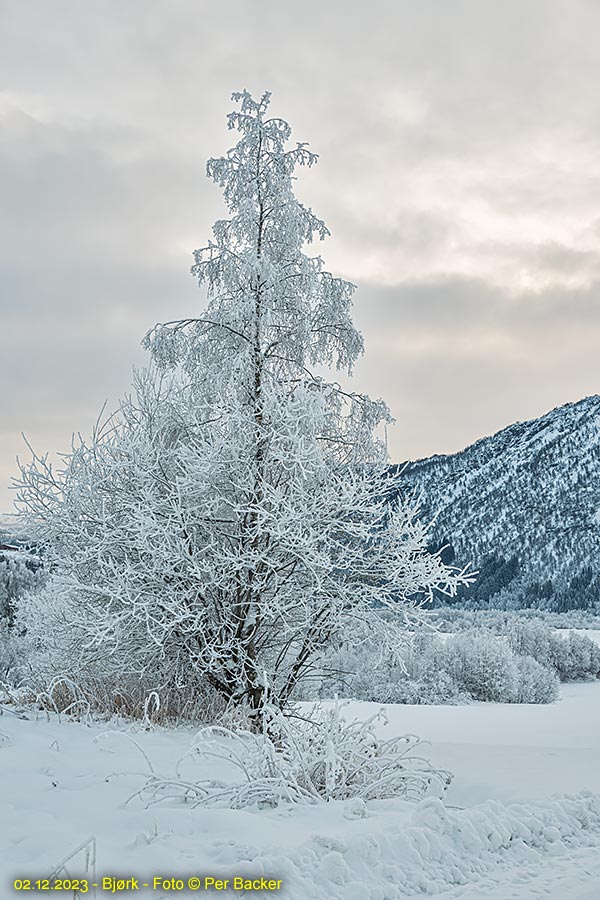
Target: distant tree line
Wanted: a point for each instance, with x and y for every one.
(502, 584)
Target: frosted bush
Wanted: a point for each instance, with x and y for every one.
(361, 670)
(559, 657)
(485, 667)
(378, 682)
(536, 684)
(583, 659)
(473, 665)
(531, 639)
(433, 688)
(573, 657)
(20, 572)
(7, 651)
(306, 761)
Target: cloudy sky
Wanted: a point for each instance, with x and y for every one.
(459, 174)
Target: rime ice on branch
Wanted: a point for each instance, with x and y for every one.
(231, 520)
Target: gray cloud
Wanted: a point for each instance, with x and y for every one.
(460, 359)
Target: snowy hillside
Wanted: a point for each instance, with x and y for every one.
(524, 507)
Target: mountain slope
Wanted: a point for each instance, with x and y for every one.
(524, 507)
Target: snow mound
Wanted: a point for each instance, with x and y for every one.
(435, 849)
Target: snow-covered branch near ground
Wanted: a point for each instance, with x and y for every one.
(232, 518)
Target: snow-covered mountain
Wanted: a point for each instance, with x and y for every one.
(524, 507)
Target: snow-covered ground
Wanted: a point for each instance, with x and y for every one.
(510, 752)
(522, 819)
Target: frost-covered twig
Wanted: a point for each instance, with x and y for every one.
(88, 848)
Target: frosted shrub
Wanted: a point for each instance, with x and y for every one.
(469, 666)
(521, 663)
(47, 664)
(583, 658)
(485, 667)
(559, 656)
(375, 683)
(481, 666)
(307, 761)
(7, 651)
(381, 680)
(434, 686)
(360, 670)
(536, 684)
(19, 573)
(531, 639)
(573, 657)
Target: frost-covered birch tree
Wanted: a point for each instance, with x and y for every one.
(233, 518)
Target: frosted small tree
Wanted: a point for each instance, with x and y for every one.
(19, 572)
(233, 518)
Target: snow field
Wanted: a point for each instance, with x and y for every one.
(509, 752)
(64, 783)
